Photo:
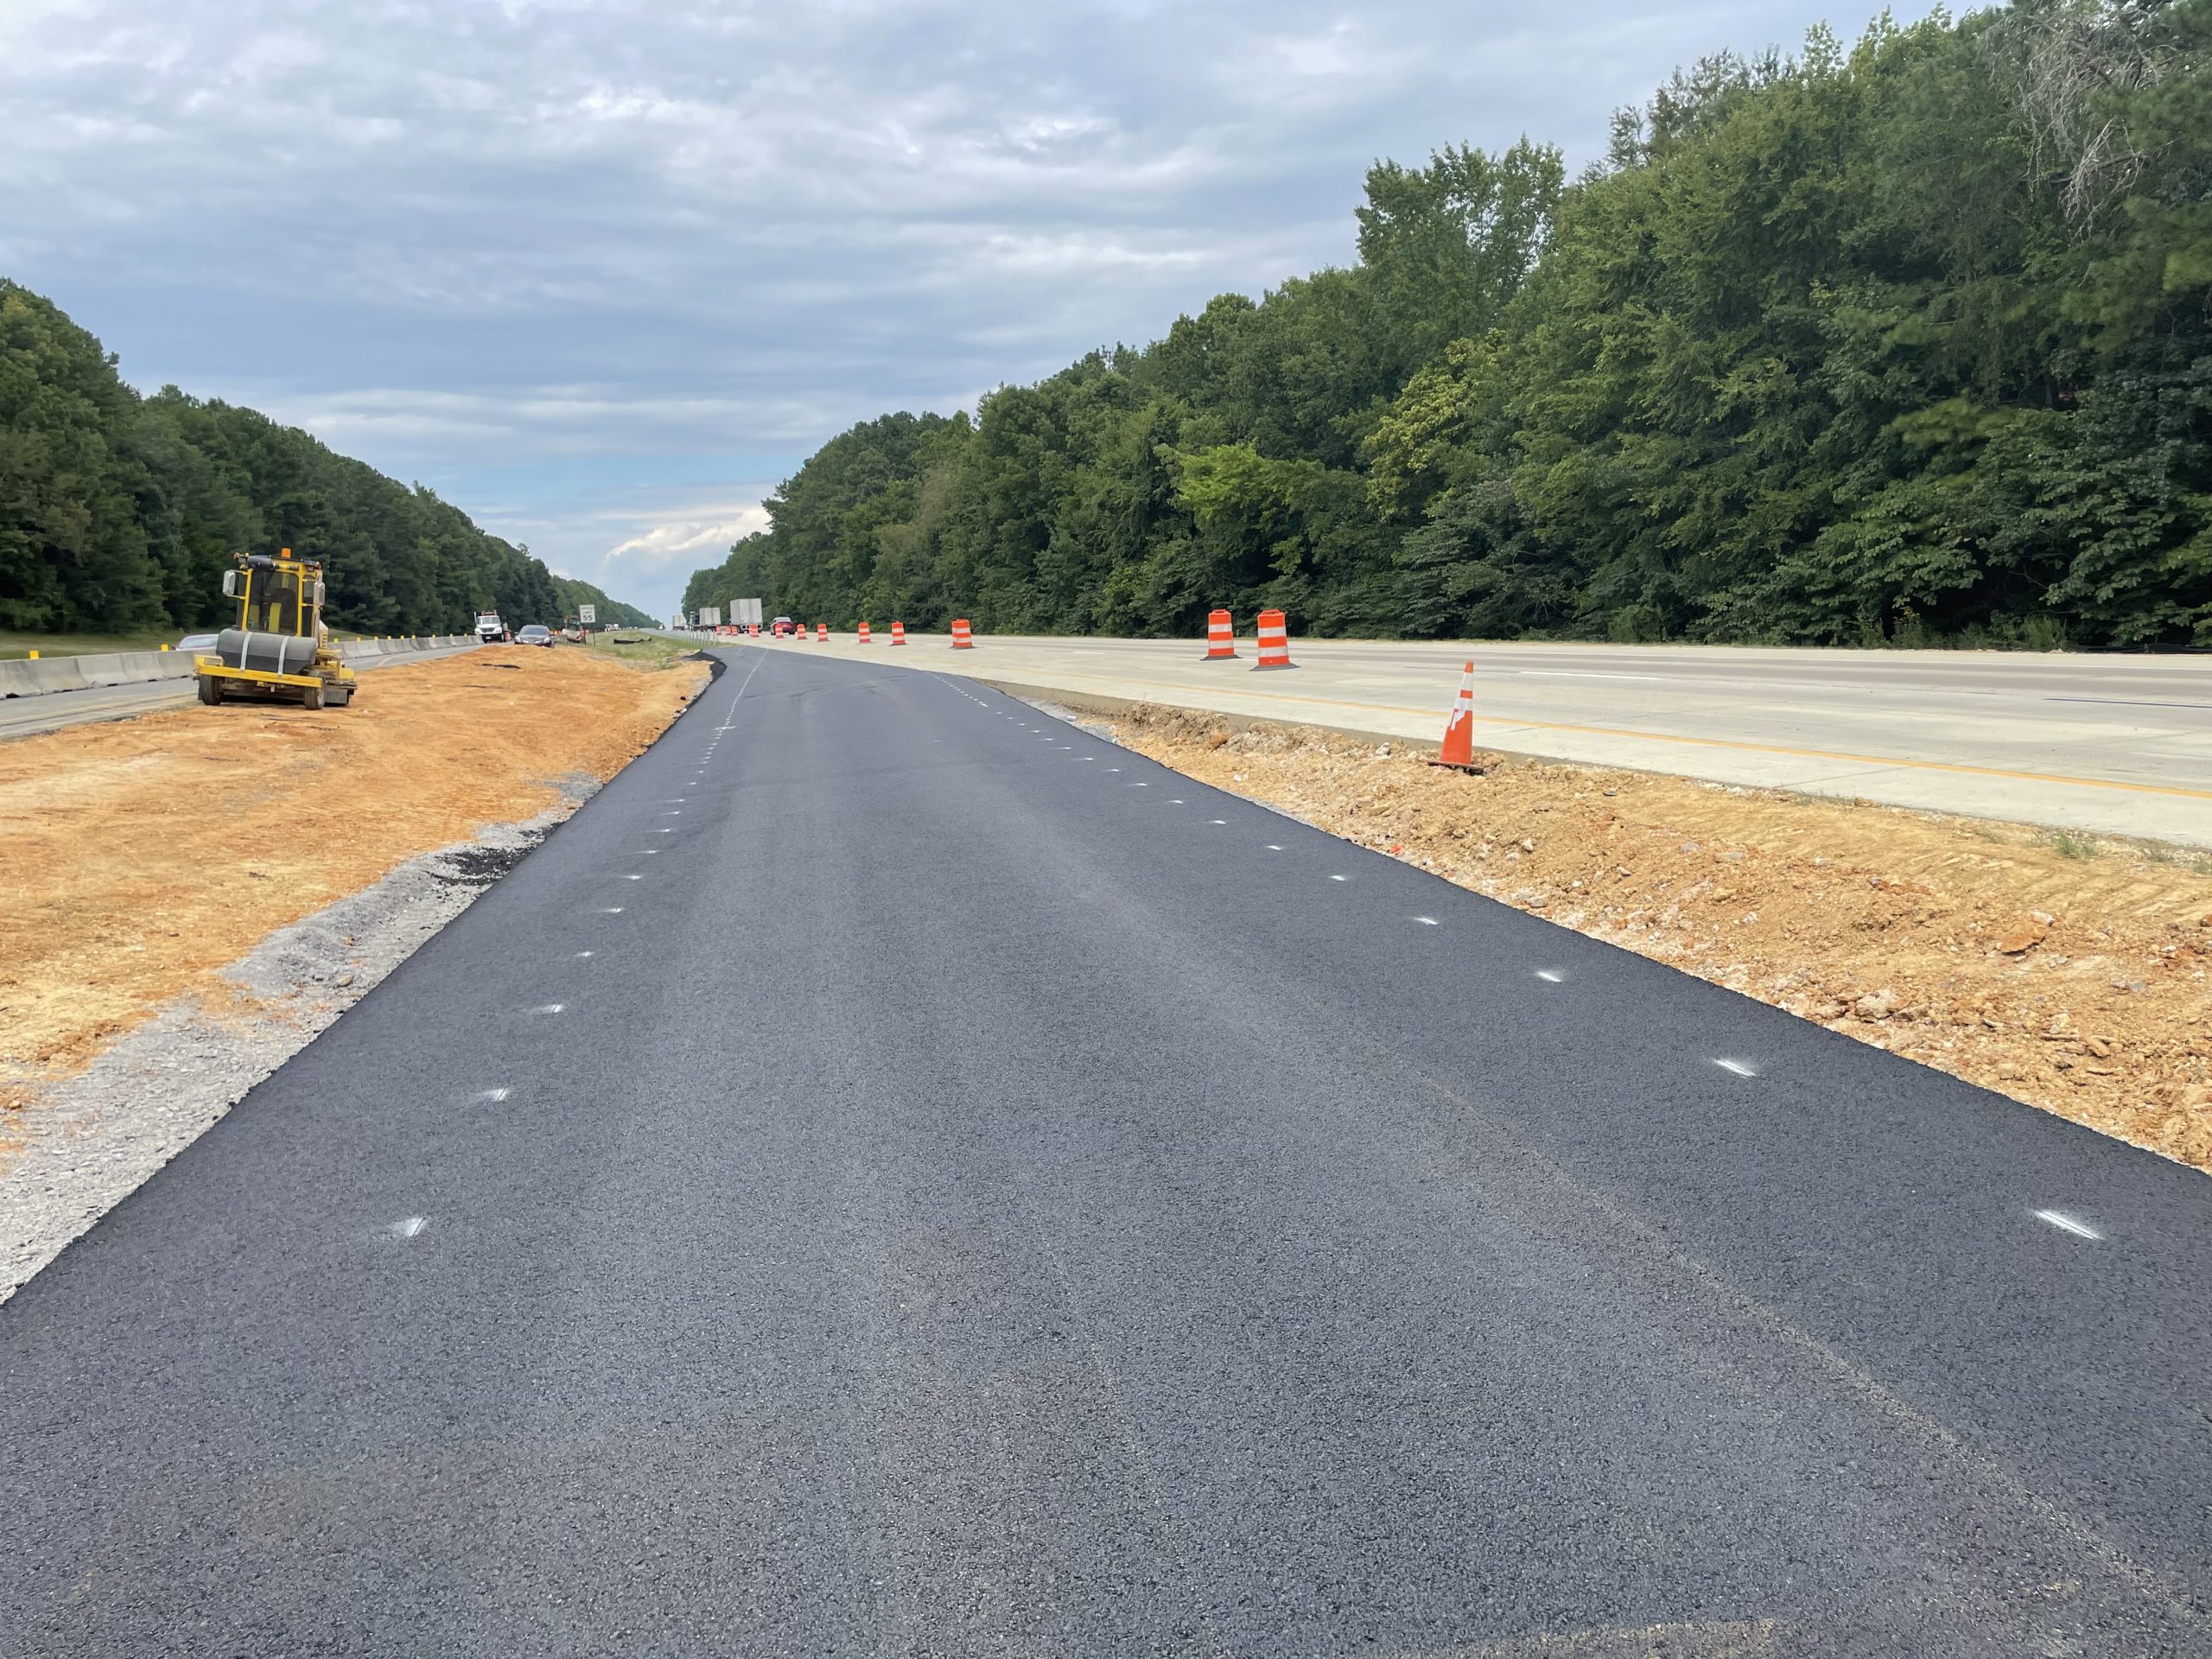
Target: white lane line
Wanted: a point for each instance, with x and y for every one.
(1220, 821)
(610, 909)
(493, 1094)
(1586, 674)
(407, 1227)
(644, 852)
(580, 955)
(1425, 921)
(669, 831)
(1174, 800)
(2066, 1223)
(1340, 878)
(1273, 847)
(673, 812)
(1556, 977)
(1141, 785)
(1741, 1068)
(549, 1007)
(1113, 768)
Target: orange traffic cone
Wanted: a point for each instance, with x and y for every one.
(753, 629)
(1221, 641)
(961, 641)
(822, 634)
(898, 634)
(1458, 751)
(864, 639)
(1275, 642)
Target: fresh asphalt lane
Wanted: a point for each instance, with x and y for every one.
(897, 1175)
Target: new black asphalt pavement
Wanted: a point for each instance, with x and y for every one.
(896, 1174)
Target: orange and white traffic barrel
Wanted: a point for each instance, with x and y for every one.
(1221, 640)
(864, 636)
(822, 634)
(961, 641)
(1275, 642)
(898, 634)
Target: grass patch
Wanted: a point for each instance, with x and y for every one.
(650, 650)
(2067, 844)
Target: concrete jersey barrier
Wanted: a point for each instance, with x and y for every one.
(110, 668)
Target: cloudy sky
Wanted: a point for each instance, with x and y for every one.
(602, 271)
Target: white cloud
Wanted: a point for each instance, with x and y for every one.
(689, 543)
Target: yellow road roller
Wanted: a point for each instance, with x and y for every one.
(279, 651)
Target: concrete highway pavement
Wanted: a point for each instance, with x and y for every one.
(895, 1173)
(51, 711)
(2119, 744)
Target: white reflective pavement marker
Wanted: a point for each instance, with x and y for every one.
(407, 1227)
(2066, 1223)
(1741, 1068)
(494, 1094)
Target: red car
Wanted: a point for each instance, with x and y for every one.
(781, 625)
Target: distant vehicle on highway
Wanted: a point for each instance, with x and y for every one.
(197, 642)
(534, 635)
(781, 625)
(490, 629)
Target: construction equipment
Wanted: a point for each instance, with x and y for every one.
(279, 651)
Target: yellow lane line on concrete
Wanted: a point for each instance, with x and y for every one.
(1664, 737)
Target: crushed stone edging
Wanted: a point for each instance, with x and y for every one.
(91, 1141)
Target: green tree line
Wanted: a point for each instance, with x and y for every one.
(120, 512)
(1905, 343)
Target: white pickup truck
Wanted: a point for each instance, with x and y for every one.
(489, 629)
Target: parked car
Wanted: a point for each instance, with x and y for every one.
(192, 642)
(781, 625)
(534, 635)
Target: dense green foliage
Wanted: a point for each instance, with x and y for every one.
(119, 512)
(1903, 344)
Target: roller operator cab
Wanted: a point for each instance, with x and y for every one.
(279, 651)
